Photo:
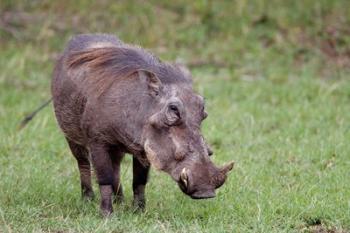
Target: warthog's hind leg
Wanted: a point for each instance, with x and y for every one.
(82, 156)
(102, 163)
(116, 158)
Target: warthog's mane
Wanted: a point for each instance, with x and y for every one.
(102, 66)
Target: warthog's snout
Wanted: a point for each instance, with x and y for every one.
(201, 182)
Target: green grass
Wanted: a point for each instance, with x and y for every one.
(277, 90)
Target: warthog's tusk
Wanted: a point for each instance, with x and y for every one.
(184, 176)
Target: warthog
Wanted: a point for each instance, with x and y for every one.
(111, 98)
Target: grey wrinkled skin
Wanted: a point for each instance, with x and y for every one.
(111, 98)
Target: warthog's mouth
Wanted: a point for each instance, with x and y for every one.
(199, 194)
(203, 195)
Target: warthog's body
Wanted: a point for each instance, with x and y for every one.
(111, 98)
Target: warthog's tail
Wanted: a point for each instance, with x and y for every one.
(30, 116)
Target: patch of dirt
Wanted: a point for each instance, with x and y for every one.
(322, 229)
(316, 225)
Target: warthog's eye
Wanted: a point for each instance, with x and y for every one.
(174, 114)
(175, 110)
(170, 115)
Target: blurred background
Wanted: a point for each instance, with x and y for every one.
(275, 75)
(251, 39)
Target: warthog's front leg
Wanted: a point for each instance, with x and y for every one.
(104, 172)
(140, 176)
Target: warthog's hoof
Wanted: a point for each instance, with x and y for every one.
(139, 205)
(88, 195)
(106, 211)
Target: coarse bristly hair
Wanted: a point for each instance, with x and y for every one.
(106, 64)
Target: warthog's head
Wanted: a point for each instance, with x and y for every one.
(173, 141)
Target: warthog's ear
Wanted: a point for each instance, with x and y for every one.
(152, 81)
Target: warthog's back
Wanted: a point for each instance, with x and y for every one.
(86, 41)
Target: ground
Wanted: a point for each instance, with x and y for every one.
(275, 75)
